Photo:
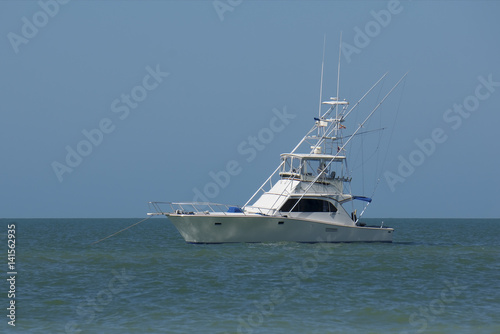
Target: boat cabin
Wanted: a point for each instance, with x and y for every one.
(312, 167)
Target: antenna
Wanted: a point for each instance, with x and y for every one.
(338, 82)
(338, 69)
(321, 84)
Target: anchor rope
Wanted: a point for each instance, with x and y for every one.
(126, 228)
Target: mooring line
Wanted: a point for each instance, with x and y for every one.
(126, 228)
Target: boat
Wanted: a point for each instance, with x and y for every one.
(303, 200)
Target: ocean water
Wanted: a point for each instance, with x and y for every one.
(438, 276)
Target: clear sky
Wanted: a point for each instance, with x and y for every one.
(107, 105)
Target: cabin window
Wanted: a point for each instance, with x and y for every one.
(308, 205)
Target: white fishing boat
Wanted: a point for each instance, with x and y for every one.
(302, 201)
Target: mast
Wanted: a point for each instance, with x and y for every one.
(352, 136)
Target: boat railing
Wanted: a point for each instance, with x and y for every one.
(261, 211)
(192, 208)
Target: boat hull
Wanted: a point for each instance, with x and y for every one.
(244, 228)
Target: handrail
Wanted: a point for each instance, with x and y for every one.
(190, 208)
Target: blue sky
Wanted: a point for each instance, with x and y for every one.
(175, 89)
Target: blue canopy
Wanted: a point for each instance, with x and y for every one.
(363, 198)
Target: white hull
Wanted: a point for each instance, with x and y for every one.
(244, 228)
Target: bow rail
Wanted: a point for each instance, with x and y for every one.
(191, 208)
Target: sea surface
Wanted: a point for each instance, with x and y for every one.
(438, 276)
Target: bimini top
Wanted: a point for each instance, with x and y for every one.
(313, 156)
(346, 197)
